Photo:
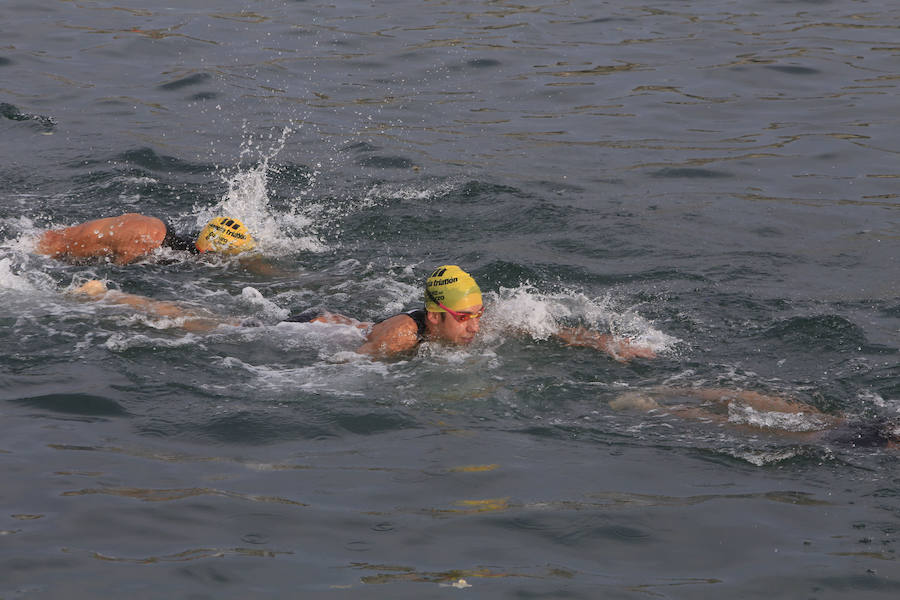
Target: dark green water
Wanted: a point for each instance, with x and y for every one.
(717, 180)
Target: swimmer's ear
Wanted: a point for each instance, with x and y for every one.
(433, 317)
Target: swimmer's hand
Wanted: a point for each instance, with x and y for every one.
(91, 289)
(620, 349)
(623, 350)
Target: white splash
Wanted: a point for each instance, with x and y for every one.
(254, 298)
(540, 315)
(26, 236)
(247, 198)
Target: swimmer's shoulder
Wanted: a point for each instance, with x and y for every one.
(393, 335)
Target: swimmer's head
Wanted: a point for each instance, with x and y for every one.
(226, 235)
(451, 286)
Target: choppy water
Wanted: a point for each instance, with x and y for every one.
(717, 179)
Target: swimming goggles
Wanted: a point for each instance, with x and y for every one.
(461, 317)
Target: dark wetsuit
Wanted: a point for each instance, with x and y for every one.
(177, 242)
(304, 317)
(865, 434)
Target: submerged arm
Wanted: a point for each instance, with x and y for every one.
(621, 349)
(193, 321)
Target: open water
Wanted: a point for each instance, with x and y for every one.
(717, 179)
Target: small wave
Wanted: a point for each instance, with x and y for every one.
(409, 192)
(121, 342)
(354, 377)
(826, 332)
(129, 180)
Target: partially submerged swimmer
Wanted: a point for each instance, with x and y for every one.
(746, 409)
(451, 314)
(188, 318)
(126, 238)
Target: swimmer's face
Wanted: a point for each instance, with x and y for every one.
(447, 328)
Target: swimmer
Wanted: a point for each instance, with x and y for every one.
(452, 314)
(753, 411)
(126, 238)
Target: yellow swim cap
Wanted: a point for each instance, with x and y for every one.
(452, 287)
(225, 234)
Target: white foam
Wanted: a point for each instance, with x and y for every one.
(120, 342)
(761, 458)
(254, 297)
(9, 280)
(743, 414)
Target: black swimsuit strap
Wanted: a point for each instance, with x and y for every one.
(418, 316)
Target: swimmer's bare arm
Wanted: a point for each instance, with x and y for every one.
(260, 266)
(621, 349)
(193, 321)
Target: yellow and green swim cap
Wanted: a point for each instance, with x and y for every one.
(225, 234)
(452, 287)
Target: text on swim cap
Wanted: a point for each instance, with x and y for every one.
(447, 281)
(228, 232)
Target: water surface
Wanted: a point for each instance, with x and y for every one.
(717, 180)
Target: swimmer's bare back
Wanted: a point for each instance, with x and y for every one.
(122, 239)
